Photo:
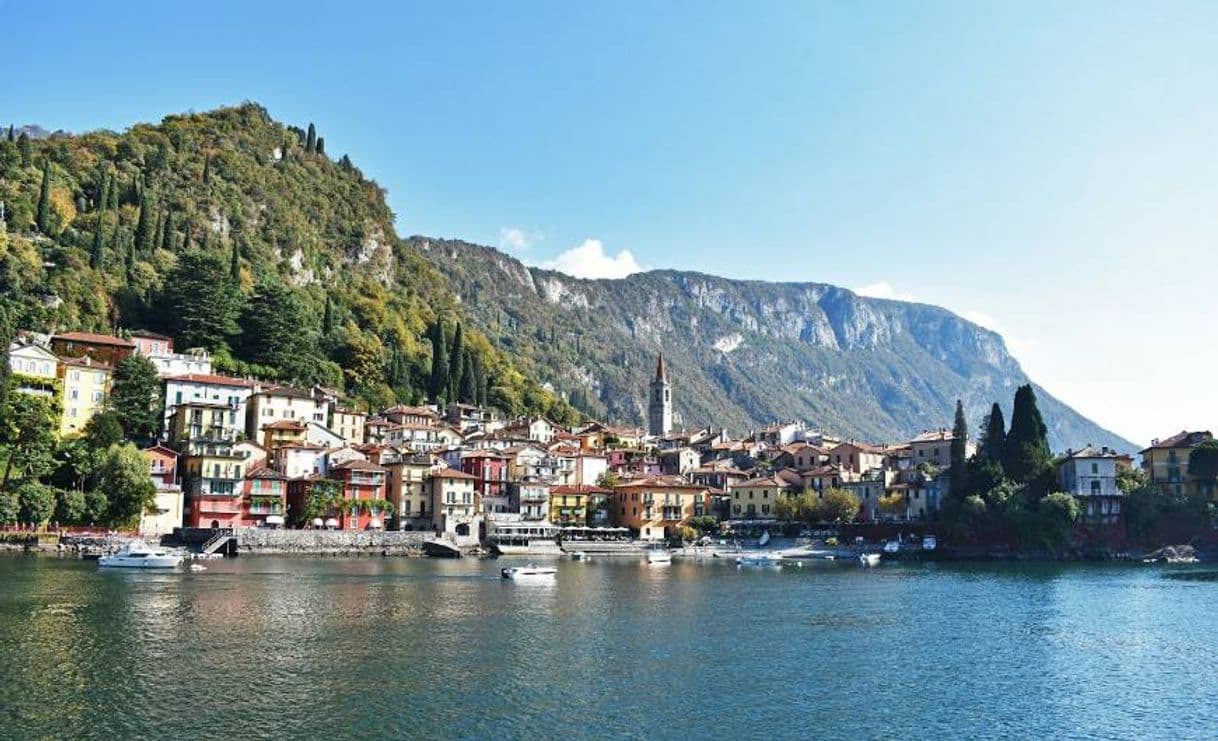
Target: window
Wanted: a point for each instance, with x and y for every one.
(1095, 488)
(1095, 467)
(177, 398)
(97, 396)
(765, 509)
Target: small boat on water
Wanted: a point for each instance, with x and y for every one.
(138, 555)
(528, 572)
(580, 556)
(658, 556)
(760, 559)
(869, 559)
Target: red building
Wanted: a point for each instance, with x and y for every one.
(490, 472)
(362, 482)
(264, 498)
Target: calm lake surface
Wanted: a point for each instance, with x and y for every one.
(334, 648)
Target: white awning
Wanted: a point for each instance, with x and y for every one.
(274, 519)
(317, 522)
(331, 522)
(375, 523)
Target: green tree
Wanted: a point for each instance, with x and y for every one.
(479, 372)
(959, 452)
(322, 496)
(129, 489)
(27, 433)
(207, 169)
(363, 361)
(469, 388)
(327, 317)
(99, 241)
(439, 363)
(838, 505)
(1203, 466)
(26, 148)
(274, 332)
(36, 502)
(993, 442)
(1027, 443)
(96, 507)
(75, 464)
(234, 264)
(311, 139)
(1058, 511)
(69, 507)
(200, 303)
(10, 509)
(456, 353)
(186, 235)
(145, 227)
(103, 430)
(7, 332)
(44, 200)
(135, 396)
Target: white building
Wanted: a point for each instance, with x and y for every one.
(36, 363)
(200, 387)
(279, 403)
(1091, 475)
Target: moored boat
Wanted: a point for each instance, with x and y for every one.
(869, 559)
(658, 556)
(139, 555)
(527, 572)
(760, 559)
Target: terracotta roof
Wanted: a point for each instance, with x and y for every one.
(288, 391)
(286, 424)
(659, 482)
(85, 362)
(358, 464)
(93, 339)
(211, 378)
(931, 436)
(762, 482)
(266, 472)
(452, 473)
(865, 447)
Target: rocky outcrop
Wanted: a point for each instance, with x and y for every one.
(745, 353)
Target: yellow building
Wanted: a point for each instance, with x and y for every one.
(755, 499)
(349, 424)
(85, 386)
(1166, 462)
(282, 433)
(569, 504)
(653, 507)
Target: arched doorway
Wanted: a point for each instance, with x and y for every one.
(463, 529)
(215, 524)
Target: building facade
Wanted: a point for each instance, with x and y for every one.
(659, 402)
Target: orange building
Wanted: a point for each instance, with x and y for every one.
(654, 506)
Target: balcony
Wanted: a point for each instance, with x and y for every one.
(532, 495)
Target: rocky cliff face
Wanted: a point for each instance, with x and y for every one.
(745, 353)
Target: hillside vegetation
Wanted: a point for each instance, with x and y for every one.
(230, 231)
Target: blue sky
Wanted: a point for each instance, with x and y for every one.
(1047, 169)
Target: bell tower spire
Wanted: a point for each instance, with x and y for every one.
(659, 401)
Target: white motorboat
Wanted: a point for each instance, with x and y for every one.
(528, 572)
(760, 559)
(929, 543)
(658, 556)
(869, 559)
(579, 556)
(138, 555)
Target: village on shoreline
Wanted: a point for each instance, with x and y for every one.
(237, 456)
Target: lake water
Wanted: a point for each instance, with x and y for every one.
(335, 648)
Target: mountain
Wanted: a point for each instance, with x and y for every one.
(743, 354)
(301, 260)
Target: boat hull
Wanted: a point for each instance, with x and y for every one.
(151, 562)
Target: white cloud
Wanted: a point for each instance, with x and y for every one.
(883, 289)
(589, 260)
(515, 238)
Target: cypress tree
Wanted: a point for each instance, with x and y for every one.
(327, 318)
(103, 190)
(26, 149)
(186, 235)
(1027, 444)
(321, 145)
(959, 473)
(145, 226)
(207, 169)
(439, 363)
(99, 241)
(993, 445)
(469, 387)
(206, 240)
(311, 139)
(234, 265)
(345, 162)
(11, 135)
(166, 240)
(112, 203)
(44, 200)
(158, 230)
(479, 379)
(455, 355)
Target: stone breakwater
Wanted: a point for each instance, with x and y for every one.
(331, 542)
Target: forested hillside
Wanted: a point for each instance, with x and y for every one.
(232, 232)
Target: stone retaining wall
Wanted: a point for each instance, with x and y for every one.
(330, 542)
